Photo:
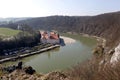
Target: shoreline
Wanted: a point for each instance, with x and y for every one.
(68, 40)
(28, 54)
(100, 40)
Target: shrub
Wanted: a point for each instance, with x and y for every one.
(92, 70)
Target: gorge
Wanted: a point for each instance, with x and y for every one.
(106, 26)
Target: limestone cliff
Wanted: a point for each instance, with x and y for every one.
(116, 55)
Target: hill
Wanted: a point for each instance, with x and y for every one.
(104, 25)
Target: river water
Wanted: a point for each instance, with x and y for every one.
(61, 58)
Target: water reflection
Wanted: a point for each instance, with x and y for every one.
(51, 52)
(62, 42)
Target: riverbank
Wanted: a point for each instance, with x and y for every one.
(68, 40)
(29, 54)
(100, 40)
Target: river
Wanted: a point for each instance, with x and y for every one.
(77, 51)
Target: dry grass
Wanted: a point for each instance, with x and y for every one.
(84, 71)
(92, 70)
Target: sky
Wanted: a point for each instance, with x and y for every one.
(41, 8)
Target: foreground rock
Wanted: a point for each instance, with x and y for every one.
(55, 76)
(28, 73)
(21, 75)
(10, 69)
(29, 70)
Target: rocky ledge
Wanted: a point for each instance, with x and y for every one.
(28, 73)
(22, 75)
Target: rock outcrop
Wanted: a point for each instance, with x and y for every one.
(21, 75)
(116, 55)
(29, 70)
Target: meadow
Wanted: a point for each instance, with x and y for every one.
(8, 32)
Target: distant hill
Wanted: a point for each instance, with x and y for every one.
(14, 19)
(105, 25)
(11, 20)
(60, 23)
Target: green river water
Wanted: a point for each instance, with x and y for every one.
(61, 58)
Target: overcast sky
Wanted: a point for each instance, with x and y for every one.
(39, 8)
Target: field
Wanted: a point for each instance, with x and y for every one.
(8, 32)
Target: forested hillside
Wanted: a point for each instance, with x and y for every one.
(104, 25)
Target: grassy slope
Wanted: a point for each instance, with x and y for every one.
(8, 32)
